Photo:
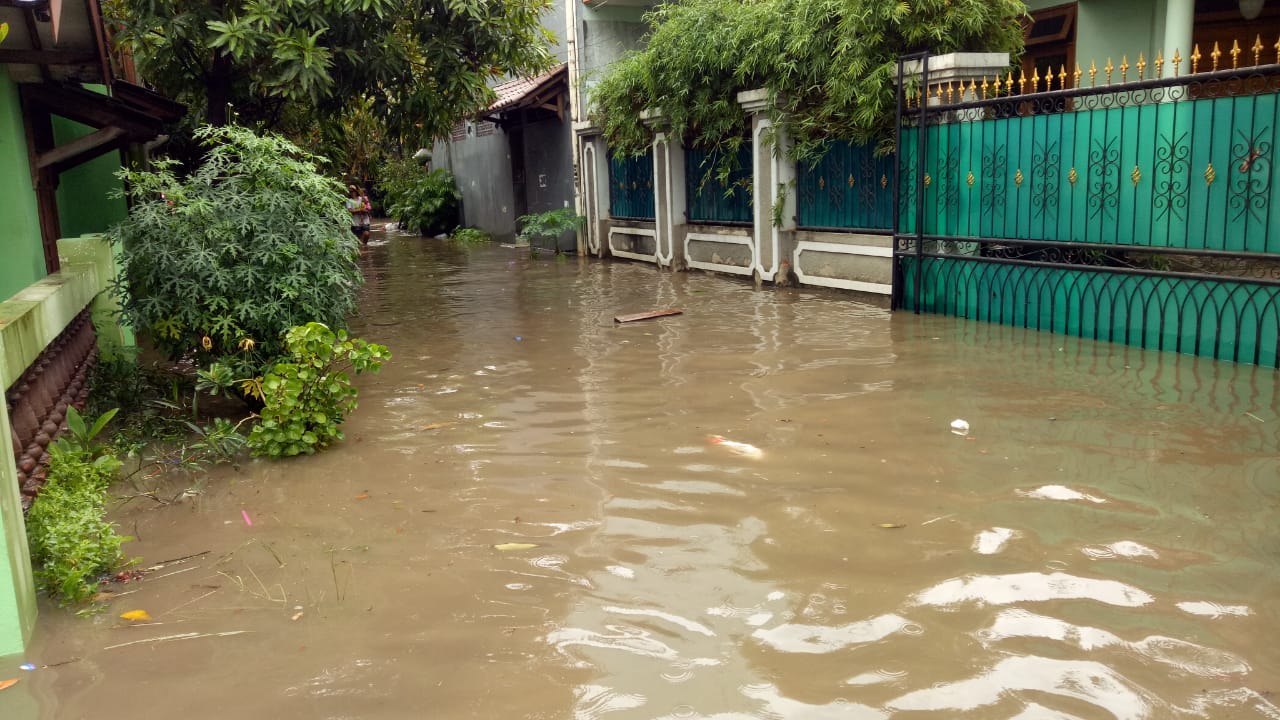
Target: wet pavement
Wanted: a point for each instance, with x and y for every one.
(1102, 543)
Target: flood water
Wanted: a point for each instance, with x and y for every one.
(1102, 543)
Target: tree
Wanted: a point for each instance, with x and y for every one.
(421, 63)
(830, 63)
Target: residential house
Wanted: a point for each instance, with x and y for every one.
(68, 117)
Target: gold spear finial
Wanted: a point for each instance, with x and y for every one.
(985, 87)
(1277, 46)
(1177, 61)
(1108, 70)
(1142, 66)
(1195, 58)
(1217, 53)
(1257, 49)
(1062, 77)
(1078, 73)
(1093, 73)
(1022, 81)
(1035, 80)
(1159, 64)
(1008, 83)
(1124, 69)
(1235, 54)
(973, 89)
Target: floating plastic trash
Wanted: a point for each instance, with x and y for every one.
(737, 448)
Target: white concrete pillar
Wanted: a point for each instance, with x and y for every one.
(1179, 19)
(669, 194)
(773, 182)
(958, 70)
(592, 189)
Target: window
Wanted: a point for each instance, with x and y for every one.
(1051, 45)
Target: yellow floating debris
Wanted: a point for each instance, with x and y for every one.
(505, 547)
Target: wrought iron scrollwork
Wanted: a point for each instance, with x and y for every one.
(1104, 177)
(1173, 161)
(1045, 169)
(1251, 174)
(995, 162)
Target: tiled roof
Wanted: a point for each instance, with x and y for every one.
(511, 93)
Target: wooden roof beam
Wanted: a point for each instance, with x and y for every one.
(82, 149)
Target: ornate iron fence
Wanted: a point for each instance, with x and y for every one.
(631, 187)
(1141, 212)
(848, 188)
(714, 199)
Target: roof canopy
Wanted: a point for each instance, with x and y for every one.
(54, 40)
(544, 92)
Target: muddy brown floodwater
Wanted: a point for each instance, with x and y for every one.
(1103, 543)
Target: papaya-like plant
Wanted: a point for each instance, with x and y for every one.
(219, 264)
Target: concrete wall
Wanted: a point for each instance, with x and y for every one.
(20, 244)
(604, 34)
(482, 166)
(85, 204)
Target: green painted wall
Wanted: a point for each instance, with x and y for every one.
(85, 204)
(1114, 29)
(19, 221)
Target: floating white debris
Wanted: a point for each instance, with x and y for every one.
(1059, 492)
(990, 542)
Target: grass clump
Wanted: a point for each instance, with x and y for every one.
(72, 543)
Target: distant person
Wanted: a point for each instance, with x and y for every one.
(361, 213)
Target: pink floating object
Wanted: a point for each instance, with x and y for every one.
(245, 514)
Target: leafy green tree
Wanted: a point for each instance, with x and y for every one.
(219, 264)
(831, 64)
(423, 63)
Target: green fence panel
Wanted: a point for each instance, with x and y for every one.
(847, 188)
(1222, 319)
(1192, 174)
(715, 200)
(631, 187)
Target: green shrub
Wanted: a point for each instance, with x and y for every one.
(550, 225)
(308, 397)
(471, 236)
(72, 544)
(217, 265)
(421, 201)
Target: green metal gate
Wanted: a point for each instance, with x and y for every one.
(1140, 212)
(714, 199)
(631, 187)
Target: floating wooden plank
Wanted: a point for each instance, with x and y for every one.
(647, 315)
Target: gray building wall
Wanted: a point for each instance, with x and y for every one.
(482, 166)
(604, 34)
